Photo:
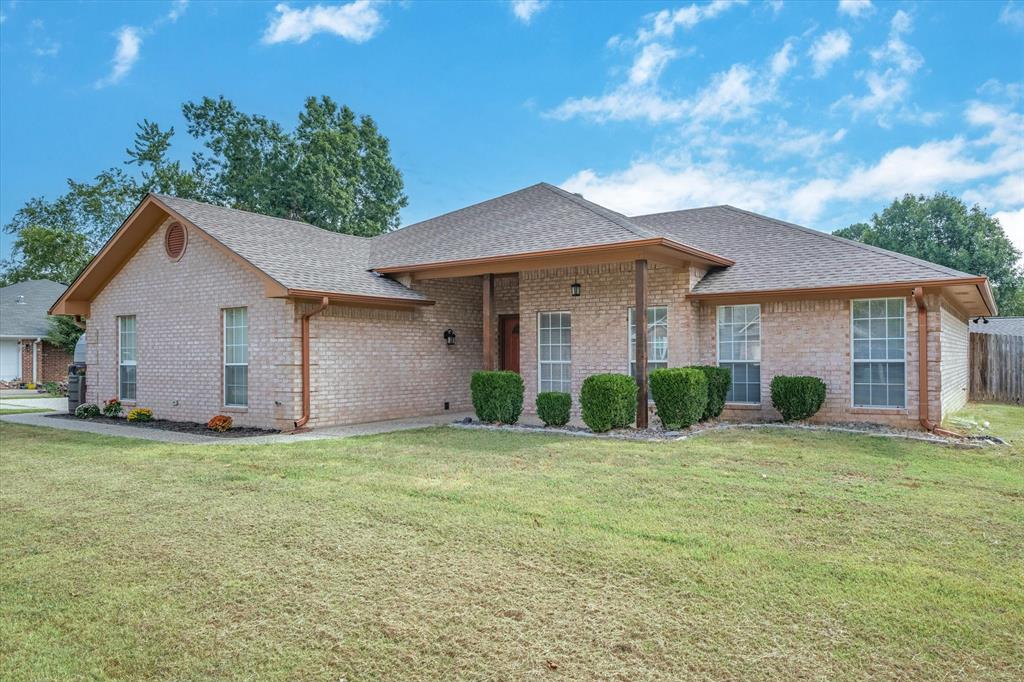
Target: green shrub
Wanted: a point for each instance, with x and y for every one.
(140, 414)
(112, 408)
(608, 401)
(680, 394)
(497, 396)
(554, 408)
(87, 410)
(719, 381)
(797, 397)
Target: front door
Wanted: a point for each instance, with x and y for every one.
(508, 342)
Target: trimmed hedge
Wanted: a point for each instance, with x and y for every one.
(497, 396)
(554, 408)
(608, 401)
(797, 397)
(719, 381)
(680, 394)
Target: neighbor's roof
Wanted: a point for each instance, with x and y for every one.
(538, 219)
(772, 254)
(1010, 326)
(27, 319)
(297, 255)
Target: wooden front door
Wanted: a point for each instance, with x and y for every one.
(508, 342)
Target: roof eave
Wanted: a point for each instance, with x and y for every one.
(358, 299)
(848, 290)
(509, 262)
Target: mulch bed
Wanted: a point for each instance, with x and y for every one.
(180, 427)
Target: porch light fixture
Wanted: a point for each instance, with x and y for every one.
(984, 320)
(449, 337)
(574, 289)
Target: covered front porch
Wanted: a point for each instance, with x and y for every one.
(558, 319)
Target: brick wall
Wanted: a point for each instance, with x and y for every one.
(370, 364)
(600, 333)
(179, 326)
(52, 361)
(955, 340)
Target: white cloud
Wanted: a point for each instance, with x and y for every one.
(649, 64)
(1013, 225)
(127, 53)
(524, 10)
(49, 49)
(783, 60)
(663, 24)
(356, 21)
(888, 88)
(624, 103)
(1012, 15)
(730, 95)
(828, 49)
(178, 8)
(680, 181)
(855, 8)
(775, 5)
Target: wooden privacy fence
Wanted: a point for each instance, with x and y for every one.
(997, 368)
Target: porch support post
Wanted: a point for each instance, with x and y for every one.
(640, 267)
(488, 326)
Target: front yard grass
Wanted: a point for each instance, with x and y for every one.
(456, 553)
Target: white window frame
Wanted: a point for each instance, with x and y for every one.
(630, 335)
(121, 362)
(224, 358)
(854, 361)
(541, 362)
(760, 343)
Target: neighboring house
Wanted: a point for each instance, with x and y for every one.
(195, 310)
(1007, 326)
(25, 354)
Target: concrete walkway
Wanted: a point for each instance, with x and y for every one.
(367, 429)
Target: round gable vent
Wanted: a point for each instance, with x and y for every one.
(175, 239)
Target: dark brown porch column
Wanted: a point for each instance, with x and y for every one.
(641, 343)
(488, 327)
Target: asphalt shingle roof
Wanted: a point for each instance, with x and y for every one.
(773, 254)
(1011, 326)
(541, 217)
(770, 254)
(295, 254)
(28, 319)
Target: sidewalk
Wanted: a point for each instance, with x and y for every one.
(366, 429)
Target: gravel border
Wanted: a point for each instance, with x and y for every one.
(659, 436)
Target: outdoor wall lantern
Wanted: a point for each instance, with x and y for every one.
(574, 289)
(449, 337)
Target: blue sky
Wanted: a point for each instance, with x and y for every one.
(820, 113)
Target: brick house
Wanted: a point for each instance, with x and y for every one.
(195, 310)
(25, 354)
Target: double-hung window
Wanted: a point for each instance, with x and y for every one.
(657, 339)
(739, 350)
(879, 353)
(236, 357)
(554, 351)
(126, 357)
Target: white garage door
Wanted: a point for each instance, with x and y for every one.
(10, 361)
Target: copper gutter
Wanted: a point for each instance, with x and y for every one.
(922, 367)
(301, 421)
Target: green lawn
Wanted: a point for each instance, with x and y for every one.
(453, 553)
(18, 409)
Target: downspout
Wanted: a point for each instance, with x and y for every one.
(35, 360)
(301, 421)
(922, 366)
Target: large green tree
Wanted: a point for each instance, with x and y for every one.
(942, 229)
(334, 170)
